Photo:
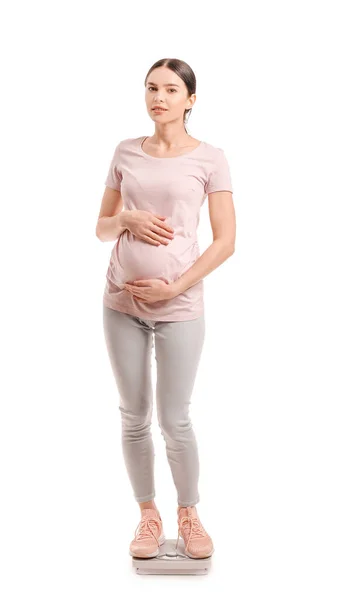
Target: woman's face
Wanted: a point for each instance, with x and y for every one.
(168, 90)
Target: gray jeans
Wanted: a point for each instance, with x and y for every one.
(178, 346)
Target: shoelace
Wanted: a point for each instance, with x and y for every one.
(195, 527)
(146, 529)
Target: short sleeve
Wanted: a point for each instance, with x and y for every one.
(219, 178)
(114, 175)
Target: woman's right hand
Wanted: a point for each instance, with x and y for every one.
(149, 227)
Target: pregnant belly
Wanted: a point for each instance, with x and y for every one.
(135, 259)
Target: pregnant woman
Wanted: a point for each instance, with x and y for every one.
(154, 291)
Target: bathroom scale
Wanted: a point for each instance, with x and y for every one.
(170, 561)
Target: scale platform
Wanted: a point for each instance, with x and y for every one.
(171, 562)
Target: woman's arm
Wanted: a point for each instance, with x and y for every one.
(223, 223)
(112, 218)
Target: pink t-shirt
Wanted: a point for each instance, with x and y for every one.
(174, 187)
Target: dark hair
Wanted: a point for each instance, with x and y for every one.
(184, 71)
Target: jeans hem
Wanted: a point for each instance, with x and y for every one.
(145, 498)
(189, 503)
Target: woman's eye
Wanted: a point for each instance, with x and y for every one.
(171, 89)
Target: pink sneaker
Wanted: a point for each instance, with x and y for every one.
(198, 543)
(150, 535)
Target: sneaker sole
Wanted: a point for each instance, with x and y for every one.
(161, 541)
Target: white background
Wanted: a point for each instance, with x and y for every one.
(267, 403)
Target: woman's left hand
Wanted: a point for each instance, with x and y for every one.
(150, 290)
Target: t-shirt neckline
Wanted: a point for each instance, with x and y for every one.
(144, 137)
